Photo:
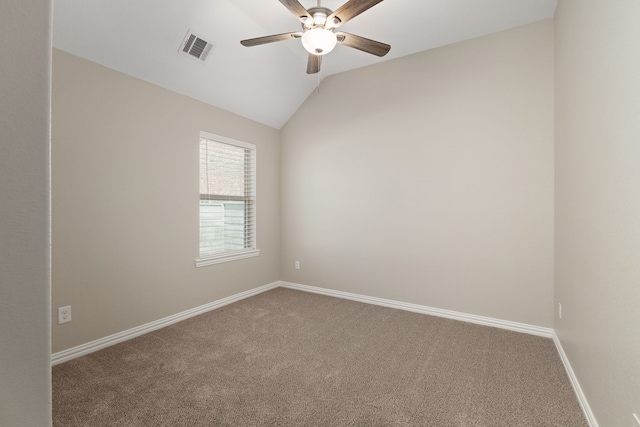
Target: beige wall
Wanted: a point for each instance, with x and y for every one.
(429, 179)
(125, 202)
(597, 201)
(25, 70)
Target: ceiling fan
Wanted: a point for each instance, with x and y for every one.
(319, 36)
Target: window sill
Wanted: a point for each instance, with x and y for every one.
(226, 257)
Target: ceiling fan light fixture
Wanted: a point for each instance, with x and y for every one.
(332, 23)
(319, 41)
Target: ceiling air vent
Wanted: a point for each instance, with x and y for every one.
(196, 47)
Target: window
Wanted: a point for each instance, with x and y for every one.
(227, 200)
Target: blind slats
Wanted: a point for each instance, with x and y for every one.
(227, 197)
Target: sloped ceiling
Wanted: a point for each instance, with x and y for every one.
(265, 83)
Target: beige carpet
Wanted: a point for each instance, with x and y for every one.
(290, 358)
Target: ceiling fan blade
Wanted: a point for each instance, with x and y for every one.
(270, 39)
(313, 64)
(366, 45)
(296, 8)
(350, 10)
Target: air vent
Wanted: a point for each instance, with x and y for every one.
(196, 47)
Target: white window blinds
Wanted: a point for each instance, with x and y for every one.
(227, 199)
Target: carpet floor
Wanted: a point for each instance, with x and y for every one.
(291, 358)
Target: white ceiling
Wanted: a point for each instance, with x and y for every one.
(265, 83)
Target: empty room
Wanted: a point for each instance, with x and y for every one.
(426, 215)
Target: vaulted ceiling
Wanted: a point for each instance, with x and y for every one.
(266, 83)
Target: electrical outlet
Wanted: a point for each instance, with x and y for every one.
(559, 310)
(636, 421)
(297, 265)
(64, 314)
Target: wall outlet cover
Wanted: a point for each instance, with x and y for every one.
(64, 314)
(559, 310)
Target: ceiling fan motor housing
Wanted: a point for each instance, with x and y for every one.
(318, 18)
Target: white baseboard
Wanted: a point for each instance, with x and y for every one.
(582, 399)
(101, 343)
(423, 309)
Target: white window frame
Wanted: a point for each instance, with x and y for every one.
(238, 254)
